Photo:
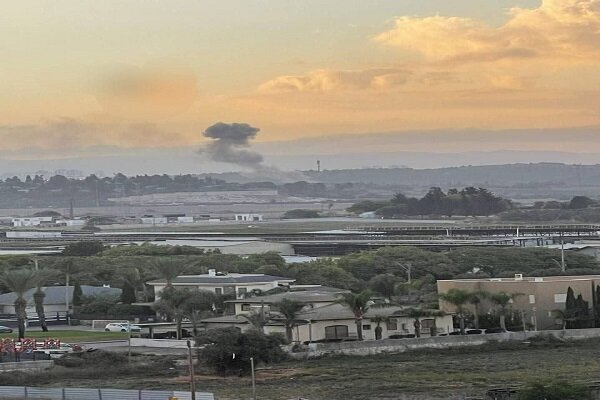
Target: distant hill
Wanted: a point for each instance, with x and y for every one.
(485, 175)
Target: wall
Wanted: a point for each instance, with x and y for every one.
(26, 366)
(161, 343)
(439, 342)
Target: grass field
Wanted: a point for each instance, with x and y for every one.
(417, 375)
(70, 336)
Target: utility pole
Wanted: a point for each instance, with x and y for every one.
(562, 254)
(191, 369)
(253, 378)
(128, 341)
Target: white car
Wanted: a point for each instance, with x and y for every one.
(121, 327)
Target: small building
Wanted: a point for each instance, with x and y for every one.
(31, 221)
(248, 217)
(224, 283)
(150, 220)
(537, 298)
(56, 298)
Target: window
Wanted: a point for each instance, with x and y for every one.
(532, 299)
(560, 298)
(404, 327)
(242, 290)
(366, 327)
(336, 332)
(245, 307)
(219, 290)
(392, 324)
(427, 323)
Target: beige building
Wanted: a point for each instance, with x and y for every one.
(538, 296)
(322, 318)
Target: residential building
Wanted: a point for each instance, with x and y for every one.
(56, 298)
(224, 283)
(536, 297)
(324, 319)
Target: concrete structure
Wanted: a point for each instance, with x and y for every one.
(56, 298)
(538, 296)
(248, 217)
(224, 283)
(154, 220)
(231, 245)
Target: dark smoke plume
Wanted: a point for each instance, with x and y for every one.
(230, 145)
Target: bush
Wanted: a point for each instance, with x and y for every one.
(98, 358)
(228, 351)
(554, 390)
(299, 214)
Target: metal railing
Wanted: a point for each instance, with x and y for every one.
(20, 392)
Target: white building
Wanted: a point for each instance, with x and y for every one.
(223, 283)
(30, 221)
(248, 217)
(154, 220)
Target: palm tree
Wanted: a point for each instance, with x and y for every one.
(475, 300)
(19, 281)
(359, 304)
(258, 319)
(418, 313)
(503, 300)
(168, 268)
(378, 319)
(38, 299)
(289, 310)
(200, 304)
(173, 303)
(458, 298)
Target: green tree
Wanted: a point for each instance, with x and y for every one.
(173, 303)
(458, 298)
(200, 304)
(19, 281)
(417, 314)
(359, 304)
(168, 268)
(84, 249)
(503, 301)
(228, 351)
(384, 284)
(289, 310)
(378, 320)
(475, 300)
(77, 294)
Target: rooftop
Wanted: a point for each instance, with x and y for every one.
(304, 296)
(211, 279)
(56, 294)
(559, 278)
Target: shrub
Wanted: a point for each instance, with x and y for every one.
(554, 390)
(228, 351)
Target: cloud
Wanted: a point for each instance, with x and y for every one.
(147, 93)
(329, 80)
(565, 30)
(65, 135)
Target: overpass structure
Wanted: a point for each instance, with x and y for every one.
(329, 243)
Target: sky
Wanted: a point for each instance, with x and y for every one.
(80, 77)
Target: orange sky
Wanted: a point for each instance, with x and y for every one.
(151, 74)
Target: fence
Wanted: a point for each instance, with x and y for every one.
(20, 392)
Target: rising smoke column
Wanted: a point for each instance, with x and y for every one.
(230, 144)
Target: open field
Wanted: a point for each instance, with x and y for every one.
(71, 336)
(431, 374)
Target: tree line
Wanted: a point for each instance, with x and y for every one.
(469, 201)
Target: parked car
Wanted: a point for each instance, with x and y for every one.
(5, 329)
(121, 327)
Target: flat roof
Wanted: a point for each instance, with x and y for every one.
(206, 279)
(554, 278)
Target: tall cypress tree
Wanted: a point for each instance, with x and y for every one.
(128, 294)
(571, 307)
(77, 294)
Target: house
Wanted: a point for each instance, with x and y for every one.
(248, 217)
(324, 319)
(337, 322)
(224, 283)
(537, 298)
(56, 298)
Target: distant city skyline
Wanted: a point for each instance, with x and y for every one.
(108, 78)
